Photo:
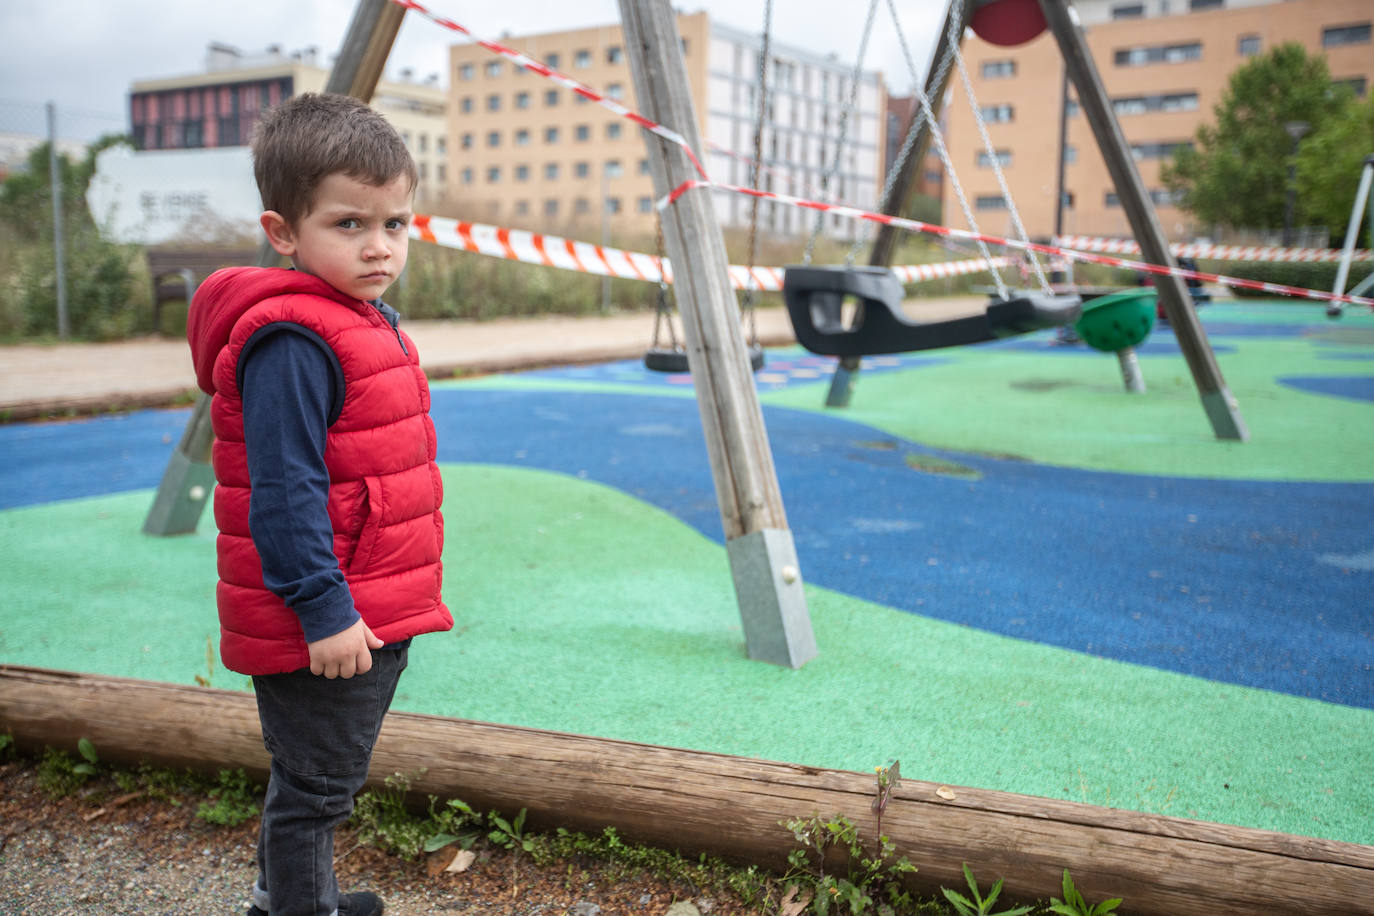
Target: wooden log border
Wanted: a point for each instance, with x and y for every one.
(733, 807)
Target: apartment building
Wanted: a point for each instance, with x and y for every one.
(1165, 65)
(526, 152)
(219, 107)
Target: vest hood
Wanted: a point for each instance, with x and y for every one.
(227, 294)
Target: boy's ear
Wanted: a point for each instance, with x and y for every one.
(279, 233)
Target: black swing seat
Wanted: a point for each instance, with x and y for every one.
(815, 299)
(663, 359)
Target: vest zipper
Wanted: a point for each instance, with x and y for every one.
(393, 319)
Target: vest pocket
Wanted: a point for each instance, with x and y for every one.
(372, 524)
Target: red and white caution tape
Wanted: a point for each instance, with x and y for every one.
(912, 225)
(584, 257)
(1212, 252)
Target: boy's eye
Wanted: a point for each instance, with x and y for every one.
(349, 223)
(396, 223)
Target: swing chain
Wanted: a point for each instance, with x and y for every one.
(909, 144)
(834, 167)
(997, 169)
(756, 168)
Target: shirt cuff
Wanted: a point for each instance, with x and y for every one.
(331, 613)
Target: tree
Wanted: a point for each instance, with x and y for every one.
(1236, 173)
(1329, 166)
(99, 283)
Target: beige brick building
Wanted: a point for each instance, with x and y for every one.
(526, 152)
(1165, 65)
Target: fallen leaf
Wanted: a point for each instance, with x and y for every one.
(790, 905)
(946, 793)
(462, 861)
(98, 812)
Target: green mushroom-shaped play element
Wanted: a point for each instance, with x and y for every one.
(1119, 320)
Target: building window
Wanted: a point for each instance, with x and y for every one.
(465, 104)
(1129, 11)
(998, 69)
(493, 102)
(465, 176)
(1198, 6)
(1162, 150)
(644, 166)
(1159, 54)
(1003, 158)
(613, 205)
(582, 169)
(580, 99)
(615, 91)
(645, 205)
(424, 143)
(1356, 84)
(551, 135)
(1110, 199)
(494, 174)
(581, 206)
(998, 114)
(550, 98)
(493, 68)
(522, 208)
(1248, 45)
(582, 59)
(613, 169)
(1345, 35)
(551, 207)
(582, 132)
(422, 171)
(522, 100)
(465, 141)
(522, 137)
(522, 173)
(441, 173)
(990, 202)
(1163, 197)
(551, 61)
(441, 145)
(465, 71)
(615, 54)
(1144, 104)
(551, 171)
(493, 138)
(613, 130)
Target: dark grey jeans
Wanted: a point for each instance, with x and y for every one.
(320, 733)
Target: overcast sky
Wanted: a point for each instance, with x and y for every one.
(83, 55)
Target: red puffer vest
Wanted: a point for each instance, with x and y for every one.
(384, 485)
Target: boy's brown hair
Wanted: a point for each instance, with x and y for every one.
(309, 137)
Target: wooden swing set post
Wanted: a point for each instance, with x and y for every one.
(1222, 409)
(885, 242)
(763, 558)
(189, 480)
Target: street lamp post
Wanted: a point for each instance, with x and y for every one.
(1297, 130)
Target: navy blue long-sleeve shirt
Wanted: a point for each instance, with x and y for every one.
(292, 388)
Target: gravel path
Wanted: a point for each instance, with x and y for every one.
(106, 853)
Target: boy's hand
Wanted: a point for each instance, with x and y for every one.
(344, 654)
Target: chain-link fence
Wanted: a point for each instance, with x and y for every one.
(62, 277)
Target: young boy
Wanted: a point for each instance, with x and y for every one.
(327, 497)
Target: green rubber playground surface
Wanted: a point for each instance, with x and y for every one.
(583, 608)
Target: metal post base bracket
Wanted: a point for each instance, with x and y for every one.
(772, 602)
(185, 486)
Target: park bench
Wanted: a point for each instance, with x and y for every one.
(176, 272)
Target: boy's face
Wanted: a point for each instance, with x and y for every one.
(355, 237)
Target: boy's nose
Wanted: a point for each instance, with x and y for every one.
(376, 247)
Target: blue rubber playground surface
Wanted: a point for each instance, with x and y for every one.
(1020, 576)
